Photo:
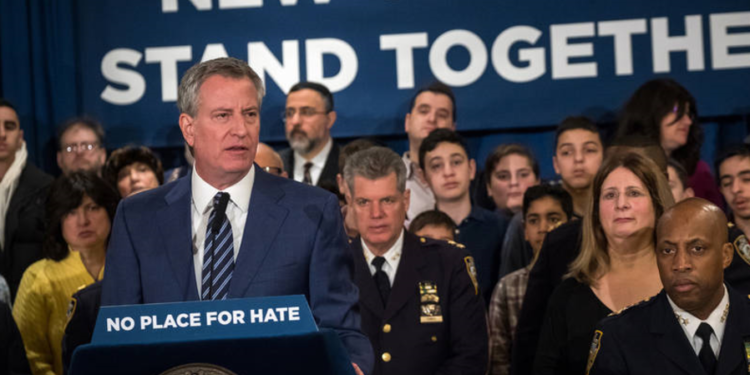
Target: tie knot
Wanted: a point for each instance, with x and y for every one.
(378, 263)
(220, 201)
(704, 332)
(308, 165)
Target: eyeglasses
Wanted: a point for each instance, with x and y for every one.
(82, 147)
(303, 112)
(273, 170)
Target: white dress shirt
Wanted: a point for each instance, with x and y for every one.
(319, 162)
(202, 204)
(392, 258)
(717, 320)
(421, 199)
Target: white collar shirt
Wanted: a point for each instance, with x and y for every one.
(318, 163)
(202, 204)
(717, 320)
(392, 258)
(421, 199)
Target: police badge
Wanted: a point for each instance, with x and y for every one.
(429, 310)
(198, 369)
(594, 350)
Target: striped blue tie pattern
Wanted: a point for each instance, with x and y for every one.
(218, 258)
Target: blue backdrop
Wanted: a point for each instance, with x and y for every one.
(518, 68)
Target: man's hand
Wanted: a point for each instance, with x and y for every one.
(356, 369)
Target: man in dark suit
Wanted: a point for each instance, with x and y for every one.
(23, 191)
(232, 230)
(696, 325)
(312, 156)
(420, 301)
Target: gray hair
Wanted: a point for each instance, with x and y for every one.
(230, 67)
(375, 163)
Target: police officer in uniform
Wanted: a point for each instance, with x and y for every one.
(420, 304)
(696, 325)
(82, 313)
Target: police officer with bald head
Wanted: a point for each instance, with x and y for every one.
(696, 325)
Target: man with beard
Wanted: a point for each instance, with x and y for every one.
(312, 157)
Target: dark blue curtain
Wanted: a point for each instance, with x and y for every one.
(38, 67)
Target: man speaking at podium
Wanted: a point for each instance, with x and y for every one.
(230, 230)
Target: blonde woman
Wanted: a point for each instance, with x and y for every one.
(616, 266)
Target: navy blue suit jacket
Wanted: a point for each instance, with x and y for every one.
(293, 243)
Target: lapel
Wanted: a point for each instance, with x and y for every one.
(331, 167)
(369, 296)
(264, 219)
(671, 339)
(736, 331)
(407, 276)
(19, 196)
(175, 224)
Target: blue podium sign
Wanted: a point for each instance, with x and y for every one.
(202, 320)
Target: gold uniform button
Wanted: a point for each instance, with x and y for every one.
(386, 357)
(421, 239)
(433, 338)
(387, 328)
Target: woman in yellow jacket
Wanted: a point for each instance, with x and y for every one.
(80, 208)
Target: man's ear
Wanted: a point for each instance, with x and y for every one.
(688, 193)
(187, 128)
(472, 168)
(727, 252)
(331, 119)
(407, 198)
(554, 165)
(407, 118)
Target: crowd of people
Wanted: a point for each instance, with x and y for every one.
(422, 263)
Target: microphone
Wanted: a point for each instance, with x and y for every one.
(220, 212)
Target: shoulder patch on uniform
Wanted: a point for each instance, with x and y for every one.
(742, 247)
(71, 309)
(471, 269)
(596, 343)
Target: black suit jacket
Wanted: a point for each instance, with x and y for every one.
(24, 225)
(458, 345)
(330, 170)
(648, 339)
(12, 354)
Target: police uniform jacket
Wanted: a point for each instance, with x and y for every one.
(403, 344)
(82, 313)
(648, 339)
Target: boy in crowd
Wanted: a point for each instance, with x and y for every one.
(432, 107)
(545, 207)
(578, 155)
(733, 174)
(433, 224)
(448, 169)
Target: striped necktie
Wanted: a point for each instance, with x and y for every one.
(307, 178)
(218, 258)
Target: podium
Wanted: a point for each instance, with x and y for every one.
(270, 335)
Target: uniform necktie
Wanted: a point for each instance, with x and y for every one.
(381, 279)
(307, 179)
(706, 354)
(218, 258)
